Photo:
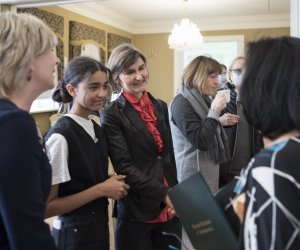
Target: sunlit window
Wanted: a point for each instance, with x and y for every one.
(44, 102)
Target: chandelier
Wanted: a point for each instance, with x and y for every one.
(185, 36)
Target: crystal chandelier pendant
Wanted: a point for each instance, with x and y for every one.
(185, 36)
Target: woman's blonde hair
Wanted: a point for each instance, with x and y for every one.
(196, 73)
(23, 37)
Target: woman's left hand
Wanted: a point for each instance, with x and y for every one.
(168, 202)
(229, 119)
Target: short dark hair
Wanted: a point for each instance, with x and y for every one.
(270, 90)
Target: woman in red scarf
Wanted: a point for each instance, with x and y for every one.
(141, 148)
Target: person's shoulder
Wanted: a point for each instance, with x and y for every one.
(160, 101)
(180, 106)
(180, 100)
(289, 150)
(109, 107)
(63, 126)
(153, 97)
(17, 129)
(11, 111)
(157, 100)
(116, 104)
(64, 122)
(17, 119)
(111, 112)
(266, 155)
(108, 111)
(56, 139)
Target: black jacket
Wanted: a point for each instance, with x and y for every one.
(238, 142)
(133, 153)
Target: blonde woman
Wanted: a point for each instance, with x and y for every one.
(27, 64)
(200, 143)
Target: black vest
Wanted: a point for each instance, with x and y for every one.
(87, 160)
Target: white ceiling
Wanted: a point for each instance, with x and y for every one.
(152, 10)
(152, 16)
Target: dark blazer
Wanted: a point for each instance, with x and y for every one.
(133, 153)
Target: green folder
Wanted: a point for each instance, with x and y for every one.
(201, 216)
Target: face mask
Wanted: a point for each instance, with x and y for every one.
(237, 79)
(222, 80)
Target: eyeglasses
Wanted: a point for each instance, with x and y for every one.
(238, 71)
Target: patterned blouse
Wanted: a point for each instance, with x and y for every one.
(271, 183)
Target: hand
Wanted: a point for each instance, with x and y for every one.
(115, 187)
(229, 119)
(219, 102)
(168, 202)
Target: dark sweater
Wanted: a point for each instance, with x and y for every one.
(25, 180)
(87, 160)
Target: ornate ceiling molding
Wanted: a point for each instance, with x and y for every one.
(208, 24)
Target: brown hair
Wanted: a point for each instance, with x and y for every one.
(196, 73)
(121, 58)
